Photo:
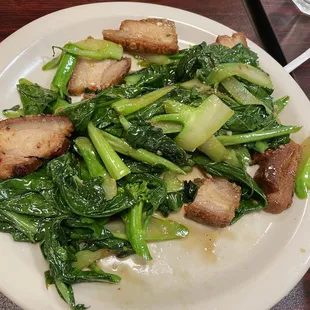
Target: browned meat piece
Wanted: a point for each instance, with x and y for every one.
(24, 140)
(97, 75)
(276, 175)
(149, 35)
(215, 203)
(230, 42)
(14, 166)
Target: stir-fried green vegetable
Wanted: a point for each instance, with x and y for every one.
(35, 99)
(64, 72)
(247, 72)
(94, 49)
(302, 180)
(200, 124)
(114, 164)
(208, 105)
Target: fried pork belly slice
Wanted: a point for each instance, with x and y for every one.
(276, 175)
(25, 140)
(16, 166)
(97, 75)
(215, 203)
(149, 35)
(230, 42)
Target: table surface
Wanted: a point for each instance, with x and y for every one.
(291, 31)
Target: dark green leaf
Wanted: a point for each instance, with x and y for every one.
(173, 202)
(201, 59)
(80, 113)
(35, 98)
(143, 135)
(190, 191)
(34, 182)
(30, 204)
(85, 198)
(249, 118)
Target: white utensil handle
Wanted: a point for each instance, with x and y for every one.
(297, 61)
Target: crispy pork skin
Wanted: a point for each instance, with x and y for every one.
(230, 42)
(215, 203)
(276, 175)
(97, 75)
(25, 140)
(149, 35)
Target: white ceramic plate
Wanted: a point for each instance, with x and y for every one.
(253, 264)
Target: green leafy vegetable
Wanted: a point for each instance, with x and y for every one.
(214, 149)
(258, 135)
(241, 94)
(155, 76)
(13, 112)
(249, 118)
(80, 113)
(200, 59)
(30, 204)
(128, 106)
(94, 49)
(146, 189)
(85, 198)
(160, 230)
(27, 225)
(53, 63)
(198, 125)
(117, 169)
(35, 98)
(302, 178)
(247, 72)
(94, 166)
(143, 135)
(190, 191)
(121, 146)
(64, 72)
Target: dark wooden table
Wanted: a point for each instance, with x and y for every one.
(290, 29)
(284, 32)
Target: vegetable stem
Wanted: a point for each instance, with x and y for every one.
(117, 169)
(99, 49)
(91, 158)
(214, 149)
(128, 106)
(199, 126)
(302, 178)
(64, 72)
(241, 94)
(94, 166)
(245, 71)
(121, 146)
(258, 135)
(135, 232)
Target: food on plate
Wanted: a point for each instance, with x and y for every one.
(236, 38)
(215, 202)
(178, 134)
(302, 180)
(96, 75)
(151, 35)
(276, 175)
(26, 140)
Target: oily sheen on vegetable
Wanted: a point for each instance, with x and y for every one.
(208, 107)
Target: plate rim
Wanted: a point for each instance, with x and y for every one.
(5, 65)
